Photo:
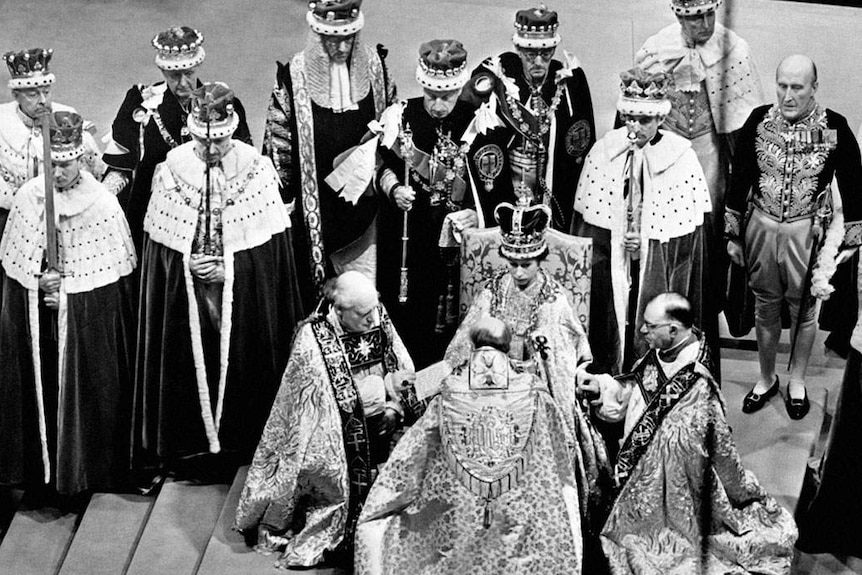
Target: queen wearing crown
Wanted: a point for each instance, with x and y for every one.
(544, 328)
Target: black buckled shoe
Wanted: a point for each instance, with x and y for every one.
(755, 401)
(796, 408)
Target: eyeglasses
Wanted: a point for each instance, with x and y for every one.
(542, 53)
(654, 326)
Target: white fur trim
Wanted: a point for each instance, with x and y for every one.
(97, 246)
(695, 10)
(522, 42)
(637, 107)
(32, 82)
(217, 130)
(67, 155)
(62, 341)
(444, 83)
(33, 317)
(182, 61)
(226, 324)
(256, 215)
(335, 27)
(200, 365)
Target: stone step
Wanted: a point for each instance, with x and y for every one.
(108, 535)
(178, 529)
(37, 541)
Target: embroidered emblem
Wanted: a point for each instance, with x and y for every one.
(489, 369)
(578, 138)
(486, 438)
(490, 436)
(489, 164)
(363, 349)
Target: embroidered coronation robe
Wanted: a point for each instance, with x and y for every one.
(672, 204)
(149, 124)
(304, 136)
(681, 487)
(566, 135)
(484, 483)
(66, 383)
(427, 320)
(545, 329)
(203, 385)
(313, 467)
(21, 152)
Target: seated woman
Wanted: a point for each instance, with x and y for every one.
(544, 327)
(530, 302)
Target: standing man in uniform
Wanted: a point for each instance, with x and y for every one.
(787, 156)
(547, 121)
(321, 105)
(152, 121)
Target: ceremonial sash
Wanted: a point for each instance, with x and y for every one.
(666, 396)
(354, 430)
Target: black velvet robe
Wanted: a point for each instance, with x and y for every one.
(87, 420)
(428, 274)
(167, 416)
(575, 135)
(334, 133)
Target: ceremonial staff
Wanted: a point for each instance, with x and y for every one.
(53, 264)
(406, 137)
(822, 219)
(630, 207)
(208, 191)
(51, 256)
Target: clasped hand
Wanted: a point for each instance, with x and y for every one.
(49, 282)
(632, 242)
(208, 269)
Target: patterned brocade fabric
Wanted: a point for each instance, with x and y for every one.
(297, 493)
(421, 518)
(656, 525)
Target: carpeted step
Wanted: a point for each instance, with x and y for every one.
(226, 553)
(773, 446)
(37, 541)
(108, 534)
(178, 529)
